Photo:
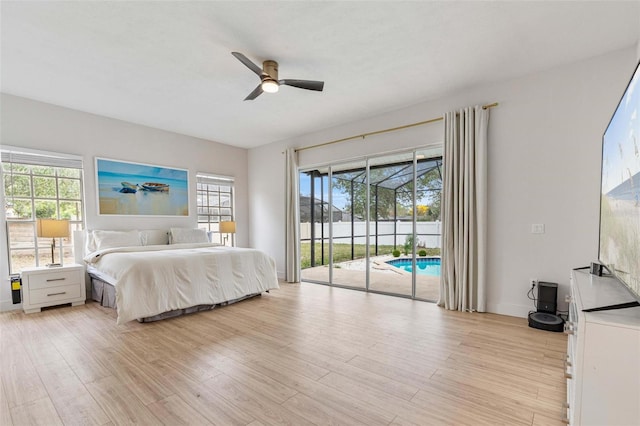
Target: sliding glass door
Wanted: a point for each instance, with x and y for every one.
(373, 224)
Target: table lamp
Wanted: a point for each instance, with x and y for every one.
(228, 227)
(53, 228)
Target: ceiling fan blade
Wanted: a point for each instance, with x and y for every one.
(304, 84)
(256, 92)
(253, 67)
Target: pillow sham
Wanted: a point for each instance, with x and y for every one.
(109, 239)
(188, 235)
(89, 242)
(154, 237)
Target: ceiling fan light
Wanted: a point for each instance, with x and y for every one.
(270, 86)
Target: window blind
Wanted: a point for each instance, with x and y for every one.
(40, 158)
(214, 179)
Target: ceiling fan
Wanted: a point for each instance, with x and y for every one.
(269, 78)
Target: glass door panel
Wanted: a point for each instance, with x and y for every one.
(428, 226)
(349, 198)
(314, 230)
(391, 226)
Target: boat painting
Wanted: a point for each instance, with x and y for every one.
(129, 188)
(126, 188)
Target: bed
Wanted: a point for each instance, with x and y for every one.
(145, 278)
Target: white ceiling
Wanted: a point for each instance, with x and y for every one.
(169, 65)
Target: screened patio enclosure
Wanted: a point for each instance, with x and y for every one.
(353, 216)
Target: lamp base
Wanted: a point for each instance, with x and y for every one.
(53, 263)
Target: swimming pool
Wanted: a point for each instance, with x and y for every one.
(426, 265)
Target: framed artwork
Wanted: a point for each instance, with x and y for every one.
(126, 188)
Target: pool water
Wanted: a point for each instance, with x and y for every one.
(426, 265)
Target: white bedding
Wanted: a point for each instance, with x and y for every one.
(154, 279)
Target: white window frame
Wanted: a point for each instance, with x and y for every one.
(208, 218)
(31, 157)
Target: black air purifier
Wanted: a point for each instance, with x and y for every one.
(545, 318)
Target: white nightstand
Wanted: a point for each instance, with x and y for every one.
(43, 287)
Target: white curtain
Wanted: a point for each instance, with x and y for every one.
(292, 249)
(464, 210)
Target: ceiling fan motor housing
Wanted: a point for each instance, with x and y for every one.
(271, 68)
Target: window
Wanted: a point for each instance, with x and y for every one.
(215, 204)
(39, 185)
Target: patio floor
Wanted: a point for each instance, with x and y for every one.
(382, 277)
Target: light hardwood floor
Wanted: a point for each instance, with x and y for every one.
(304, 354)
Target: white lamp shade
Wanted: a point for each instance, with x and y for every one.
(228, 227)
(53, 228)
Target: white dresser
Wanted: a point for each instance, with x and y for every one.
(43, 287)
(603, 354)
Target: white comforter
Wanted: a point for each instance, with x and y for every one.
(155, 279)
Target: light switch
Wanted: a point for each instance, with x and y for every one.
(537, 228)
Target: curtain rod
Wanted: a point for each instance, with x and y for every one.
(377, 132)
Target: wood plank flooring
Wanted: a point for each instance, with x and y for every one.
(304, 354)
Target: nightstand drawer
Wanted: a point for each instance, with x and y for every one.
(54, 294)
(54, 279)
(43, 287)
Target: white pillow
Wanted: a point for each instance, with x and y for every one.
(188, 235)
(110, 239)
(89, 242)
(154, 237)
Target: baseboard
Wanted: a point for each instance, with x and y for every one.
(7, 305)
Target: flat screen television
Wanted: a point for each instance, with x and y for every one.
(620, 190)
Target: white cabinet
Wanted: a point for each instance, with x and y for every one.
(603, 354)
(43, 287)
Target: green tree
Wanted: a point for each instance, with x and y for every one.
(18, 181)
(17, 186)
(70, 210)
(430, 187)
(44, 187)
(45, 209)
(21, 208)
(389, 197)
(69, 188)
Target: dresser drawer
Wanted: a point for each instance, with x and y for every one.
(55, 294)
(54, 279)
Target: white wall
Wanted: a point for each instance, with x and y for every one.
(37, 125)
(544, 167)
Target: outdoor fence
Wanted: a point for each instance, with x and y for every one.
(428, 234)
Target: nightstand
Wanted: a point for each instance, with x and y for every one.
(43, 287)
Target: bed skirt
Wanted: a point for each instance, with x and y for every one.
(105, 294)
